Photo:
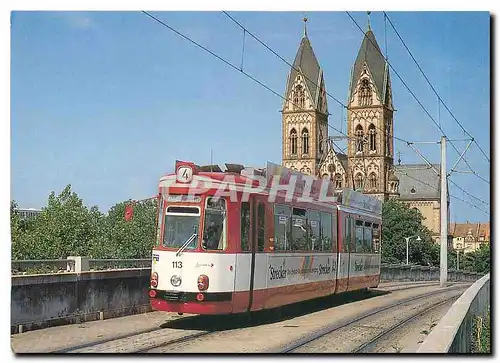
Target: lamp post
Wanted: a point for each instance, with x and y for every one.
(408, 249)
(458, 254)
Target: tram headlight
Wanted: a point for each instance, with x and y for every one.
(202, 282)
(176, 280)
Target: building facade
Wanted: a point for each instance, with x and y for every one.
(368, 166)
(468, 237)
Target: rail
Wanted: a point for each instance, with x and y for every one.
(454, 332)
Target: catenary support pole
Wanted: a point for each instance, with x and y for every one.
(444, 218)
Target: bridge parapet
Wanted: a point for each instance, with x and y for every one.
(453, 333)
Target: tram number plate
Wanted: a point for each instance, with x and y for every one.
(176, 264)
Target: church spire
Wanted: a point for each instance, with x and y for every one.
(368, 14)
(305, 25)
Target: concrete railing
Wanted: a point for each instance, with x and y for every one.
(43, 300)
(39, 301)
(422, 273)
(75, 264)
(453, 333)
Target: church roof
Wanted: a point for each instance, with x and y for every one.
(418, 181)
(308, 64)
(343, 160)
(370, 53)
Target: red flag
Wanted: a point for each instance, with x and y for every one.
(129, 212)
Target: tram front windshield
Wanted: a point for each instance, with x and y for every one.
(181, 225)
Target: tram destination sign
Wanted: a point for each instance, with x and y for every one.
(355, 199)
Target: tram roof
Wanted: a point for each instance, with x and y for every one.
(245, 176)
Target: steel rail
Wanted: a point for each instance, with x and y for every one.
(367, 347)
(331, 328)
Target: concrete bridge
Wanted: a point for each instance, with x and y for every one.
(85, 290)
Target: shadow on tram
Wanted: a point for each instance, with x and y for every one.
(244, 320)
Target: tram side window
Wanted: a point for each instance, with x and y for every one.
(261, 218)
(282, 228)
(245, 226)
(314, 220)
(214, 234)
(299, 230)
(359, 236)
(326, 231)
(367, 238)
(376, 238)
(346, 243)
(335, 231)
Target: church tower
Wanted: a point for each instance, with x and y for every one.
(370, 151)
(305, 112)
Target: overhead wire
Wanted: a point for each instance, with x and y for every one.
(432, 87)
(416, 99)
(260, 82)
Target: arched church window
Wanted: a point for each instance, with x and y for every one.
(358, 181)
(365, 93)
(293, 142)
(305, 141)
(299, 98)
(338, 181)
(373, 181)
(359, 138)
(372, 137)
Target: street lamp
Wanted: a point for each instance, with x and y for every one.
(458, 250)
(407, 247)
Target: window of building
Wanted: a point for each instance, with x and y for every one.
(359, 138)
(365, 93)
(293, 142)
(305, 141)
(373, 181)
(359, 181)
(299, 98)
(245, 226)
(338, 181)
(372, 138)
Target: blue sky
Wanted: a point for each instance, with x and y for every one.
(106, 101)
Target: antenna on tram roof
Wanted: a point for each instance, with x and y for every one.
(211, 160)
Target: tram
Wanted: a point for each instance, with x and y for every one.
(246, 239)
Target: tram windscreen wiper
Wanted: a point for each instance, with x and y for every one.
(189, 240)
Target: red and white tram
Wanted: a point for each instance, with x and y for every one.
(246, 240)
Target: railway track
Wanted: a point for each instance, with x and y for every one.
(368, 346)
(184, 329)
(303, 342)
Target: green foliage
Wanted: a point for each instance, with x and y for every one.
(66, 227)
(481, 334)
(399, 221)
(477, 261)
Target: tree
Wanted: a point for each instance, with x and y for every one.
(132, 239)
(477, 261)
(398, 222)
(65, 227)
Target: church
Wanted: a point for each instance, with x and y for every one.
(368, 165)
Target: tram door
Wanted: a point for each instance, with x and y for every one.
(344, 254)
(252, 215)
